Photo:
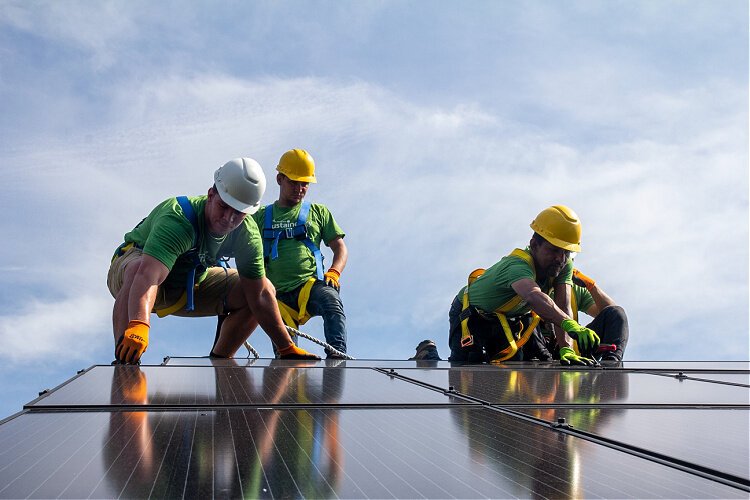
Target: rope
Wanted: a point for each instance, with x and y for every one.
(333, 350)
(293, 331)
(251, 350)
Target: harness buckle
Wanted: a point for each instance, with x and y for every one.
(289, 233)
(467, 341)
(464, 314)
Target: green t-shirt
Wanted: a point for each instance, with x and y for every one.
(166, 234)
(296, 263)
(493, 288)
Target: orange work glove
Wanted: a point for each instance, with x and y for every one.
(331, 278)
(294, 352)
(133, 343)
(581, 279)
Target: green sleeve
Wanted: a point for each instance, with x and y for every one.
(566, 275)
(247, 247)
(584, 300)
(324, 221)
(513, 269)
(165, 234)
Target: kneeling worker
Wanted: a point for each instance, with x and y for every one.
(169, 264)
(497, 312)
(293, 230)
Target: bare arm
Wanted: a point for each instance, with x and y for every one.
(340, 253)
(150, 274)
(261, 298)
(545, 307)
(601, 300)
(562, 301)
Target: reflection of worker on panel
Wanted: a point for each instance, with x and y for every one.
(516, 469)
(285, 452)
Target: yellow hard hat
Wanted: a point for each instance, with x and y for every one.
(298, 165)
(560, 226)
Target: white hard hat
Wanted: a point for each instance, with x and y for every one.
(241, 184)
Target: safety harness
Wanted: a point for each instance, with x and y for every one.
(296, 317)
(187, 300)
(292, 317)
(467, 339)
(272, 236)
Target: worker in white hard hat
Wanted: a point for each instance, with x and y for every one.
(170, 264)
(293, 230)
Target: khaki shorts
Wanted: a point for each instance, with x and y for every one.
(209, 295)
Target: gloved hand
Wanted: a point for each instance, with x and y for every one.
(294, 352)
(133, 343)
(581, 279)
(569, 357)
(331, 278)
(587, 338)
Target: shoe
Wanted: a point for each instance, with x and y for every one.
(610, 359)
(426, 350)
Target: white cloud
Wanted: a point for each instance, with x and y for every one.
(98, 29)
(55, 331)
(425, 193)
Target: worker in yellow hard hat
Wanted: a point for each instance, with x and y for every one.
(498, 312)
(293, 230)
(169, 263)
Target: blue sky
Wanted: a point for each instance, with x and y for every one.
(439, 130)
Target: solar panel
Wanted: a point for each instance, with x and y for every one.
(579, 387)
(373, 453)
(230, 385)
(341, 363)
(713, 438)
(380, 429)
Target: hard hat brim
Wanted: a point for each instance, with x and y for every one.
(299, 178)
(565, 245)
(236, 204)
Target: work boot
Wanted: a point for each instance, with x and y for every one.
(426, 350)
(610, 359)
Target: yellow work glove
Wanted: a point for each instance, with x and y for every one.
(294, 352)
(581, 279)
(133, 343)
(331, 277)
(569, 357)
(587, 338)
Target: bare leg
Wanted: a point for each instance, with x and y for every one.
(238, 325)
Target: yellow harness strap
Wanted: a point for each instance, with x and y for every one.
(296, 317)
(166, 311)
(467, 339)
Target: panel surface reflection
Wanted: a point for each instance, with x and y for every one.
(714, 438)
(593, 387)
(350, 453)
(231, 385)
(331, 363)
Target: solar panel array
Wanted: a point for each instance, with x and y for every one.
(196, 427)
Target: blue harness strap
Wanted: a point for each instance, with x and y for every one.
(272, 236)
(187, 210)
